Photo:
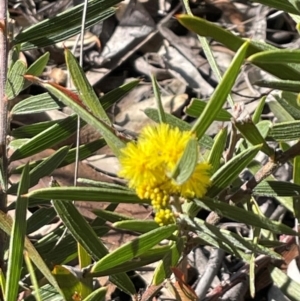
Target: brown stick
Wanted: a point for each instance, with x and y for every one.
(3, 118)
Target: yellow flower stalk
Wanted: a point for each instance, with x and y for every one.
(147, 164)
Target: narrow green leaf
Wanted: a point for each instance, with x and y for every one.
(43, 169)
(79, 228)
(225, 175)
(38, 66)
(251, 133)
(85, 90)
(48, 293)
(61, 253)
(140, 226)
(85, 235)
(40, 264)
(286, 101)
(17, 143)
(148, 257)
(233, 42)
(85, 151)
(84, 260)
(16, 245)
(259, 109)
(40, 218)
(281, 56)
(205, 141)
(67, 280)
(2, 281)
(197, 106)
(211, 59)
(279, 4)
(163, 271)
(47, 138)
(33, 278)
(290, 102)
(286, 202)
(160, 108)
(286, 85)
(289, 287)
(217, 150)
(13, 56)
(112, 140)
(187, 163)
(285, 131)
(29, 131)
(134, 248)
(241, 215)
(31, 203)
(86, 193)
(111, 216)
(264, 127)
(100, 184)
(284, 146)
(6, 225)
(64, 25)
(35, 104)
(114, 95)
(256, 233)
(296, 180)
(252, 266)
(97, 295)
(277, 188)
(279, 112)
(15, 80)
(220, 94)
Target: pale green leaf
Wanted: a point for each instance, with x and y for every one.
(16, 245)
(134, 248)
(187, 163)
(64, 25)
(197, 106)
(220, 94)
(15, 80)
(225, 175)
(289, 287)
(36, 104)
(85, 90)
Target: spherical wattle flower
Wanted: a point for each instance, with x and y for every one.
(148, 163)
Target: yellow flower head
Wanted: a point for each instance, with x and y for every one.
(147, 164)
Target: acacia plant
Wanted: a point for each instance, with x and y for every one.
(173, 166)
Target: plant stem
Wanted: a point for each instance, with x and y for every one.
(3, 118)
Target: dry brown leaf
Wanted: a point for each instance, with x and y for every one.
(181, 288)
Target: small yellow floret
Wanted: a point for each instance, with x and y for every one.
(164, 217)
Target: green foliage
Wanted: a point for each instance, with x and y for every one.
(228, 156)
